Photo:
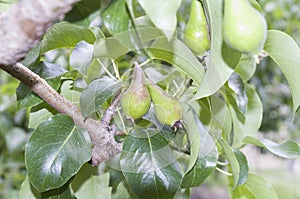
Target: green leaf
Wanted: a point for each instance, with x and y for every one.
(116, 17)
(121, 192)
(69, 93)
(246, 67)
(244, 169)
(6, 4)
(96, 93)
(178, 54)
(232, 159)
(286, 53)
(110, 47)
(236, 83)
(193, 127)
(82, 56)
(255, 188)
(82, 10)
(256, 5)
(220, 116)
(26, 98)
(162, 14)
(287, 149)
(251, 122)
(222, 59)
(27, 191)
(51, 73)
(142, 37)
(33, 57)
(84, 174)
(96, 187)
(65, 35)
(55, 152)
(149, 165)
(156, 76)
(204, 153)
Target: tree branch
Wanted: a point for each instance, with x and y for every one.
(105, 145)
(22, 26)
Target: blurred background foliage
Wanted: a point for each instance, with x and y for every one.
(278, 123)
(269, 80)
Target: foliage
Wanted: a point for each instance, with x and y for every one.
(222, 109)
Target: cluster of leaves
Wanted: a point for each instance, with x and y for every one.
(89, 60)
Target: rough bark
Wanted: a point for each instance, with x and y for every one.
(22, 26)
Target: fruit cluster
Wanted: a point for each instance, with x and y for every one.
(136, 100)
(244, 27)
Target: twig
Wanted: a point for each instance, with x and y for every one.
(109, 113)
(105, 146)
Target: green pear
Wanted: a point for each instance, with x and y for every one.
(136, 100)
(244, 28)
(167, 108)
(196, 34)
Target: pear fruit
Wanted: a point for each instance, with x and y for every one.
(136, 100)
(244, 28)
(196, 34)
(167, 108)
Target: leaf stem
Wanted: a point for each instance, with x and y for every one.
(222, 163)
(122, 121)
(106, 70)
(145, 62)
(223, 172)
(183, 87)
(116, 69)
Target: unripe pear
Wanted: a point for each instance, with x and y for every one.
(196, 34)
(167, 108)
(244, 28)
(136, 100)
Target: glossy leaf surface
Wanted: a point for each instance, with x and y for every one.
(162, 14)
(287, 149)
(116, 17)
(66, 35)
(82, 56)
(55, 152)
(176, 53)
(149, 165)
(96, 93)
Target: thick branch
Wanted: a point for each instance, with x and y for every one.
(22, 26)
(105, 146)
(42, 89)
